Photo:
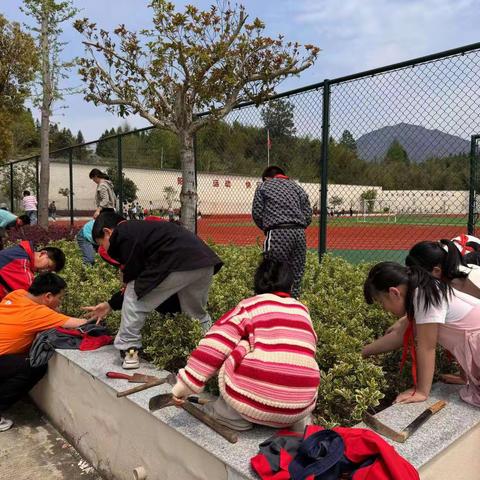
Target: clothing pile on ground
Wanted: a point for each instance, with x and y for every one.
(320, 454)
(87, 337)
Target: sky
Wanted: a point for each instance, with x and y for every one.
(354, 35)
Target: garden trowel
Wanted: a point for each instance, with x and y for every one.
(402, 436)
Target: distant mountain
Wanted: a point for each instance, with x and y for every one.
(419, 142)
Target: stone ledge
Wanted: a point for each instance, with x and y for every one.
(439, 432)
(77, 382)
(95, 364)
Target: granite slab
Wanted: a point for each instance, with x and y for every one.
(439, 432)
(434, 436)
(236, 456)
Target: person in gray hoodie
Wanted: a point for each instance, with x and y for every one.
(105, 198)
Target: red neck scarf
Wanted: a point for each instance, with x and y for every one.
(282, 294)
(409, 347)
(281, 176)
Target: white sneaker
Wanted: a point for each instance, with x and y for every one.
(5, 424)
(131, 361)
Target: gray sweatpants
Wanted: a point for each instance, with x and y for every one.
(288, 245)
(192, 289)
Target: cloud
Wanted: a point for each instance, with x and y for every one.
(364, 34)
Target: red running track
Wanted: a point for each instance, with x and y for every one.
(229, 230)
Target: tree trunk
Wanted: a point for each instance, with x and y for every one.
(45, 125)
(188, 196)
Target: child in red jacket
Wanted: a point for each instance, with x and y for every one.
(19, 263)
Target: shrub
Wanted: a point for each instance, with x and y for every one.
(41, 236)
(333, 292)
(170, 339)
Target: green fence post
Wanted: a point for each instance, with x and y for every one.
(120, 174)
(322, 231)
(196, 183)
(12, 206)
(473, 185)
(70, 174)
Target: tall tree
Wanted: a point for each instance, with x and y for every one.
(48, 15)
(190, 62)
(80, 153)
(106, 148)
(396, 154)
(24, 133)
(18, 63)
(129, 186)
(277, 117)
(348, 141)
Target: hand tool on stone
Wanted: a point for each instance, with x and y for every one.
(135, 378)
(165, 400)
(158, 381)
(402, 436)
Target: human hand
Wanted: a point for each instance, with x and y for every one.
(98, 312)
(177, 401)
(397, 326)
(392, 329)
(96, 213)
(410, 396)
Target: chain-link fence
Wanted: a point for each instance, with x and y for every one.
(388, 158)
(390, 149)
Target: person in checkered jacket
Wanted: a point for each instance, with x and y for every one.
(281, 209)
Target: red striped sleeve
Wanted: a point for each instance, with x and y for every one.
(218, 344)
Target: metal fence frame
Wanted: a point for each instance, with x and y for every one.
(323, 162)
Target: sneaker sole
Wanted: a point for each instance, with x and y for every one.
(130, 366)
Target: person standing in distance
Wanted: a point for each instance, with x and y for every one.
(30, 206)
(105, 198)
(282, 210)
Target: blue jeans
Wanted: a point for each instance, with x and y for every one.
(32, 215)
(88, 252)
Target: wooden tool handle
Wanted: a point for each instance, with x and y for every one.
(436, 407)
(208, 420)
(198, 400)
(422, 418)
(141, 387)
(122, 376)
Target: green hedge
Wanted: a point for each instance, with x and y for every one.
(349, 386)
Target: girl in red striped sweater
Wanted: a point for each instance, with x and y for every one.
(264, 353)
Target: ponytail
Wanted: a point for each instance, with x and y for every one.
(443, 254)
(430, 291)
(385, 275)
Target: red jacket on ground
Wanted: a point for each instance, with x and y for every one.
(360, 446)
(16, 267)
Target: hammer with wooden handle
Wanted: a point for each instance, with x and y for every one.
(402, 436)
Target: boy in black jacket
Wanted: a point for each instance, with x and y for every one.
(159, 259)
